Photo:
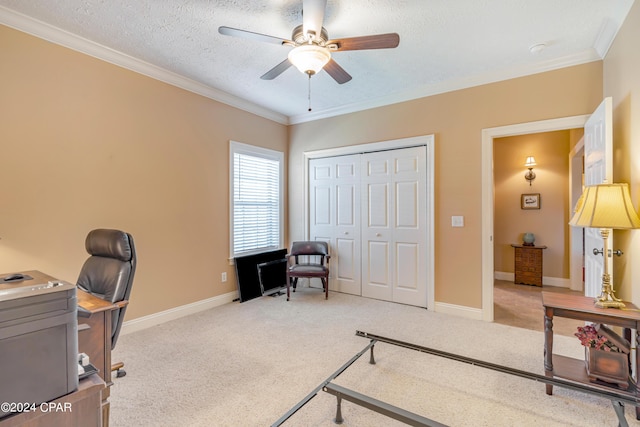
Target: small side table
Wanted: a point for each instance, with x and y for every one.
(582, 308)
(528, 264)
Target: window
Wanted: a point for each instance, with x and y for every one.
(256, 199)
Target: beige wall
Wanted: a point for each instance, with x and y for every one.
(86, 144)
(622, 82)
(549, 224)
(457, 119)
(85, 137)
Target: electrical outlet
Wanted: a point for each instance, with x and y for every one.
(224, 277)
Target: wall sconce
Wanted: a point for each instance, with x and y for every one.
(530, 163)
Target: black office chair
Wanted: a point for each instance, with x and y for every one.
(108, 274)
(317, 253)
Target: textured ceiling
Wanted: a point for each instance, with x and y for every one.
(444, 44)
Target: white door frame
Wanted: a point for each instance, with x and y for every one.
(576, 248)
(487, 192)
(424, 140)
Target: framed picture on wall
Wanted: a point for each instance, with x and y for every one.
(530, 201)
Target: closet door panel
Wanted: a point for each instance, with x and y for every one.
(407, 271)
(346, 270)
(334, 212)
(377, 220)
(321, 206)
(409, 231)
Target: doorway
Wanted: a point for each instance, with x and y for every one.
(488, 136)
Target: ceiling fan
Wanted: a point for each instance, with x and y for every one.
(312, 46)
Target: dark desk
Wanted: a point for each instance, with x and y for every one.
(94, 336)
(80, 408)
(583, 308)
(94, 339)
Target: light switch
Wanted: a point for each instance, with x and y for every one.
(457, 221)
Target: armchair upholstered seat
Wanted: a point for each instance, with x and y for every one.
(317, 254)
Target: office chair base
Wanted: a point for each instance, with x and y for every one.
(119, 369)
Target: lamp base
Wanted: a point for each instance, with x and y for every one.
(607, 300)
(609, 304)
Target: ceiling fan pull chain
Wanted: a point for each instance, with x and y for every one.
(309, 92)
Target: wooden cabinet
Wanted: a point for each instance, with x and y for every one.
(528, 264)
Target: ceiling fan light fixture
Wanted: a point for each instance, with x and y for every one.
(309, 58)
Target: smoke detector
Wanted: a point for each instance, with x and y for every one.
(537, 48)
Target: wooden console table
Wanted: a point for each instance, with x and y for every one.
(528, 264)
(583, 308)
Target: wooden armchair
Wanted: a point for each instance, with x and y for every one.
(317, 253)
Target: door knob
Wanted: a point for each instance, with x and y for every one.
(378, 234)
(617, 252)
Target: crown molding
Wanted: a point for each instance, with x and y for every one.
(58, 36)
(610, 27)
(589, 55)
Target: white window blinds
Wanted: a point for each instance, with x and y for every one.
(256, 204)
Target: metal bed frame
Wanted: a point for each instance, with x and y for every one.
(617, 399)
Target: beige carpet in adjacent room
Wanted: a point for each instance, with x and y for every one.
(248, 364)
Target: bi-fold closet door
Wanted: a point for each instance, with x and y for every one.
(334, 216)
(371, 209)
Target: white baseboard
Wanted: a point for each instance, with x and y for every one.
(546, 280)
(177, 312)
(476, 313)
(154, 319)
(458, 310)
(556, 281)
(503, 275)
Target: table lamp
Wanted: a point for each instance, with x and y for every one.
(606, 206)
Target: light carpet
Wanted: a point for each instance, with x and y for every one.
(248, 364)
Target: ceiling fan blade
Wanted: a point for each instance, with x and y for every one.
(313, 15)
(228, 31)
(377, 41)
(337, 72)
(277, 70)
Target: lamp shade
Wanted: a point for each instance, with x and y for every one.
(531, 162)
(309, 58)
(605, 206)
